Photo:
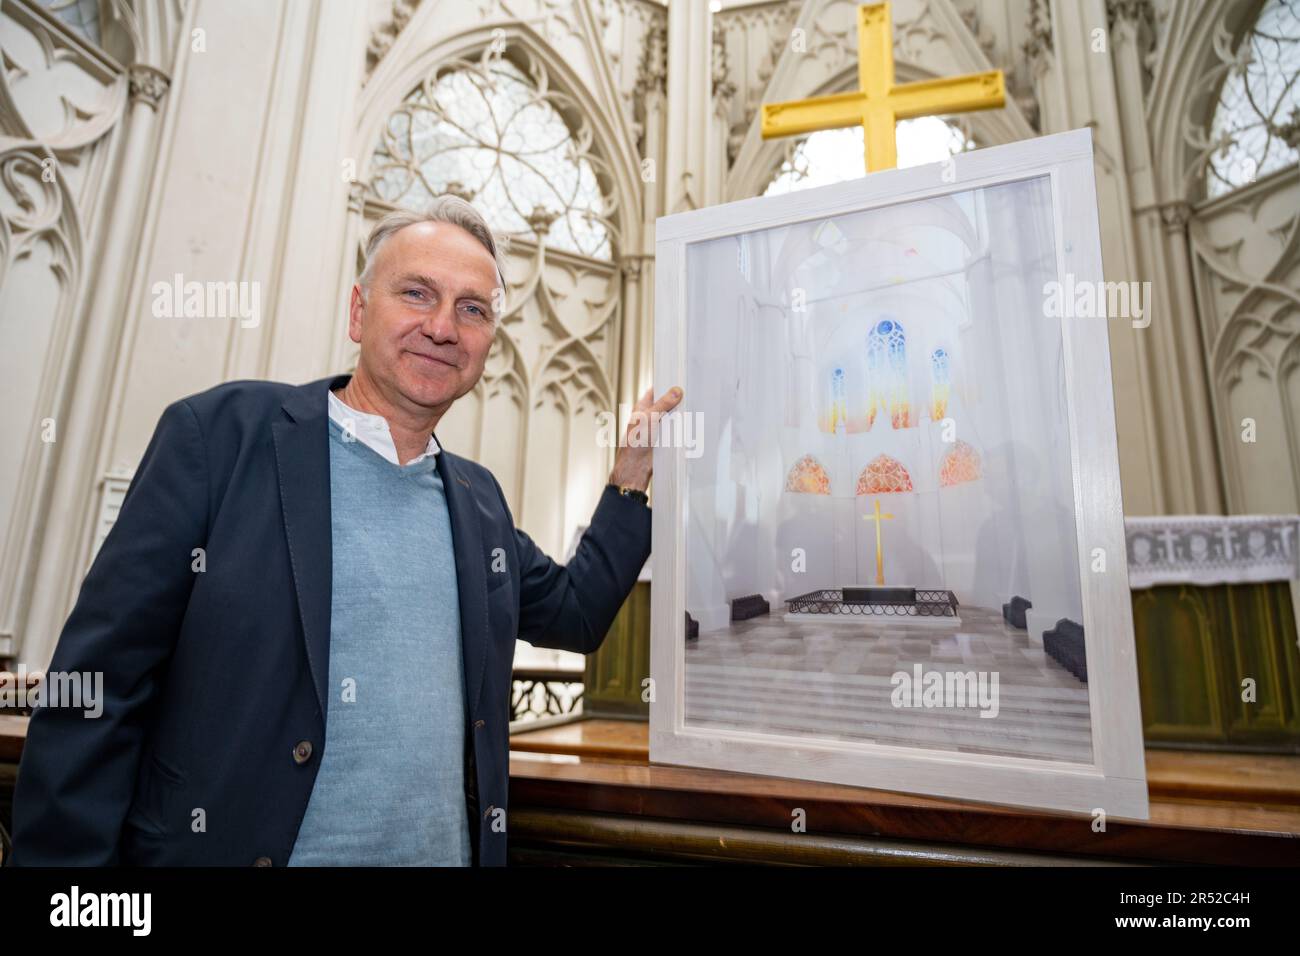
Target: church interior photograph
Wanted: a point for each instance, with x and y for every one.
(596, 433)
(828, 422)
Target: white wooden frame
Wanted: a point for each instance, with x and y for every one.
(1115, 781)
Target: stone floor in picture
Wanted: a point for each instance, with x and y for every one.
(832, 680)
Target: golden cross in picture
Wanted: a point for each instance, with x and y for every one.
(877, 517)
(878, 103)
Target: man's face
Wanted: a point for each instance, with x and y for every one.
(426, 323)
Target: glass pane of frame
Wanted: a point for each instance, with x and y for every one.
(879, 516)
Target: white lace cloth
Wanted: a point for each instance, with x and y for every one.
(1212, 549)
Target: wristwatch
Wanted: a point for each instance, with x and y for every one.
(635, 493)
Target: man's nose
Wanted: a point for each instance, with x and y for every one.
(441, 323)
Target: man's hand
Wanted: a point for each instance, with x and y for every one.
(635, 459)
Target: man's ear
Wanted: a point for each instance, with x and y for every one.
(356, 313)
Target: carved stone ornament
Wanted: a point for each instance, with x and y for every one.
(147, 84)
(1175, 215)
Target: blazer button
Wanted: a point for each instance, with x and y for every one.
(262, 861)
(488, 812)
(478, 724)
(302, 752)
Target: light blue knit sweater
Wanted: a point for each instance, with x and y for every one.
(390, 788)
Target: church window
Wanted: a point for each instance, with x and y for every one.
(883, 475)
(497, 136)
(941, 383)
(887, 373)
(81, 16)
(959, 465)
(808, 477)
(838, 401)
(836, 155)
(1256, 125)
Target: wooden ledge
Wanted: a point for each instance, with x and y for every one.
(1205, 808)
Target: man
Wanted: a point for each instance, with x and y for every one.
(306, 612)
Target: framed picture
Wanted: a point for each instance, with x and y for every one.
(888, 533)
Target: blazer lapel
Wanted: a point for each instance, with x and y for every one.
(302, 458)
(471, 575)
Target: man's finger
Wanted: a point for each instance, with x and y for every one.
(667, 401)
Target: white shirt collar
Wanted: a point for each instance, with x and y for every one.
(372, 431)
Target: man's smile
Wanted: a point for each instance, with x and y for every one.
(432, 359)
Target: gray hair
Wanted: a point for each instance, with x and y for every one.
(446, 208)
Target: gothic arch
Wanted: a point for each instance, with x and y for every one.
(1184, 92)
(42, 245)
(883, 475)
(960, 464)
(1242, 249)
(752, 178)
(808, 477)
(399, 73)
(566, 406)
(557, 358)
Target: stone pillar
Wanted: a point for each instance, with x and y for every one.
(636, 360)
(637, 343)
(690, 106)
(1078, 89)
(1189, 480)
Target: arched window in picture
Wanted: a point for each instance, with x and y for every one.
(883, 475)
(960, 464)
(808, 477)
(887, 374)
(940, 383)
(837, 402)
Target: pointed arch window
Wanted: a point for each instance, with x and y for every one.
(1256, 124)
(839, 401)
(961, 464)
(493, 131)
(883, 475)
(81, 16)
(940, 383)
(836, 155)
(808, 477)
(887, 374)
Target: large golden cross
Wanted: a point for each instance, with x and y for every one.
(880, 554)
(878, 103)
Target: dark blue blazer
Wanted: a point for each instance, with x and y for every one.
(214, 683)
